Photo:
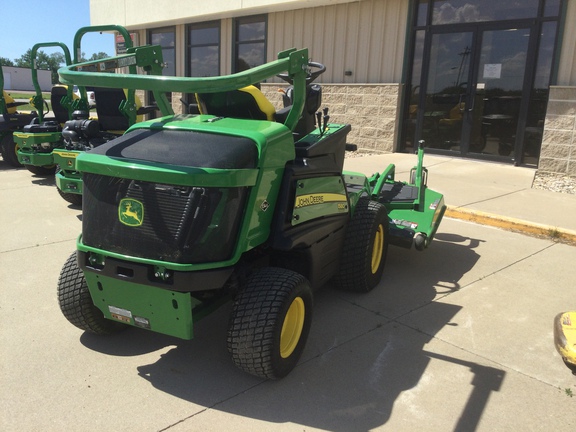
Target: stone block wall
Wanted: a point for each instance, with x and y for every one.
(558, 154)
(371, 109)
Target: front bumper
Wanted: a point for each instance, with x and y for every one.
(68, 180)
(37, 148)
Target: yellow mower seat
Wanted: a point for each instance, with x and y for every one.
(246, 103)
(10, 103)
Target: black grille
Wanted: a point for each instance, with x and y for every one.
(178, 224)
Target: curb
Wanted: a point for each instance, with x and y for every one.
(556, 234)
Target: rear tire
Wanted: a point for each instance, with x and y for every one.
(270, 322)
(9, 149)
(76, 303)
(72, 198)
(365, 248)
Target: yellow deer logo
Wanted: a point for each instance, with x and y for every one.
(131, 212)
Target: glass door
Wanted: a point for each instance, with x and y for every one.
(474, 83)
(494, 111)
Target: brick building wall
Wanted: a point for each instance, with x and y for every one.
(371, 109)
(558, 154)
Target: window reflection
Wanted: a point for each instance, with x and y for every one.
(422, 13)
(166, 39)
(551, 8)
(465, 11)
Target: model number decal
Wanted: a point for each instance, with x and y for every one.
(314, 199)
(66, 154)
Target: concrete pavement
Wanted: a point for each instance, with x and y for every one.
(458, 337)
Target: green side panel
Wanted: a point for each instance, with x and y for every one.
(158, 310)
(317, 197)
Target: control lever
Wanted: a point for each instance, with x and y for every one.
(319, 121)
(326, 117)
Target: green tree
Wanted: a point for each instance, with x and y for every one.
(51, 62)
(6, 62)
(98, 56)
(95, 56)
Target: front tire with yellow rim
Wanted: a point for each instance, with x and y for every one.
(8, 148)
(270, 322)
(365, 248)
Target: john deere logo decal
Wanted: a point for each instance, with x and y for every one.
(131, 212)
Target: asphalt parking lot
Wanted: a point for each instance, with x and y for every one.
(458, 337)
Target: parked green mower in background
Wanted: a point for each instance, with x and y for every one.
(40, 137)
(10, 121)
(116, 109)
(186, 212)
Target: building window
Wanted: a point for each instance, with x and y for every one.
(467, 11)
(166, 38)
(249, 42)
(203, 49)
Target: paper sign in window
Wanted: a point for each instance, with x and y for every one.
(492, 70)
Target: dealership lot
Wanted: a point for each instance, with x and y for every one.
(458, 337)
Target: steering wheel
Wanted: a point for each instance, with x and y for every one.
(312, 75)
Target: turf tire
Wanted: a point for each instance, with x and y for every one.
(76, 303)
(365, 248)
(9, 149)
(256, 339)
(72, 198)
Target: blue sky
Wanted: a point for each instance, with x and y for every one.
(28, 22)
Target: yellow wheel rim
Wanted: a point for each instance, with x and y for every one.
(377, 248)
(292, 327)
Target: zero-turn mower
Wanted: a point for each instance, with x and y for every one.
(240, 203)
(11, 121)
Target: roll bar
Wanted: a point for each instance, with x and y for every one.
(96, 73)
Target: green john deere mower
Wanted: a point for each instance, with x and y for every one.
(37, 140)
(11, 120)
(116, 109)
(186, 212)
(50, 143)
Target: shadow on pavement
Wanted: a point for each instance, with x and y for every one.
(355, 368)
(48, 180)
